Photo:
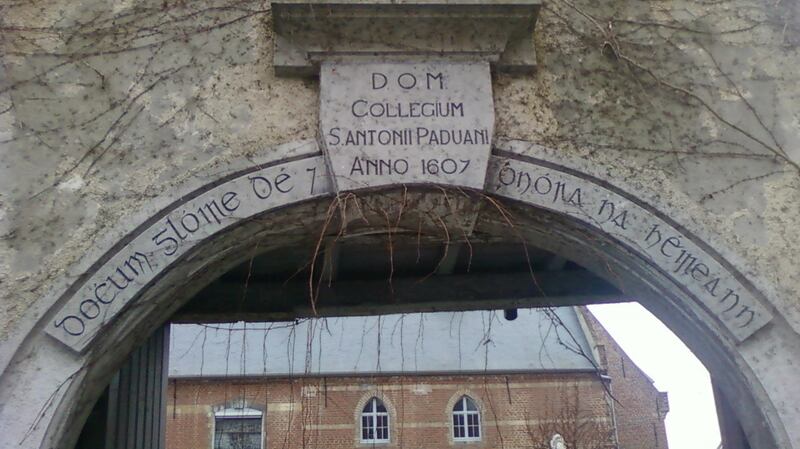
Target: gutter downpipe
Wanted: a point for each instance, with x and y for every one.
(610, 399)
(605, 378)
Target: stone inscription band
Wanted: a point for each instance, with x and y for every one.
(714, 288)
(115, 284)
(119, 280)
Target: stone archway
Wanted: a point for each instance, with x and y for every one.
(78, 336)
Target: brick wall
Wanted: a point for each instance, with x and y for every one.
(640, 407)
(517, 410)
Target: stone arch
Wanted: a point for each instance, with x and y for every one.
(142, 278)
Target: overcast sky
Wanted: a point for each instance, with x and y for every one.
(692, 420)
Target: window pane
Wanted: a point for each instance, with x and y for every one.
(459, 407)
(237, 433)
(474, 432)
(238, 424)
(470, 404)
(383, 427)
(366, 427)
(374, 421)
(458, 426)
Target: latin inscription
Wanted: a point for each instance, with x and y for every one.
(406, 123)
(715, 288)
(108, 290)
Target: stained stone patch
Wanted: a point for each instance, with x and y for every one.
(406, 123)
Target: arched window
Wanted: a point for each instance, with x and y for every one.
(237, 428)
(374, 422)
(466, 420)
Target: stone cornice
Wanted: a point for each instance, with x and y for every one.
(310, 31)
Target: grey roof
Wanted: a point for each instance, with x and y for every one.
(443, 342)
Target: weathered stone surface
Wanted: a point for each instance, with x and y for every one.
(119, 280)
(310, 31)
(712, 285)
(406, 123)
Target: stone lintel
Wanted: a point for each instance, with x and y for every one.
(309, 31)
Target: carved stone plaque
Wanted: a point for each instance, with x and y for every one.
(406, 123)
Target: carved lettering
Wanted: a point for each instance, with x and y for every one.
(262, 187)
(559, 193)
(120, 279)
(543, 185)
(89, 309)
(506, 175)
(403, 122)
(101, 296)
(169, 242)
(575, 198)
(747, 314)
(71, 324)
(734, 297)
(700, 271)
(711, 286)
(313, 171)
(610, 214)
(379, 81)
(282, 179)
(655, 234)
(140, 260)
(674, 253)
(230, 202)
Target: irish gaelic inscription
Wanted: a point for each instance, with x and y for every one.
(406, 123)
(109, 289)
(715, 288)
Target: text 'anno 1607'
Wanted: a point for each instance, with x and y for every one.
(406, 123)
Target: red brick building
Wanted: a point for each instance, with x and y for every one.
(642, 408)
(472, 381)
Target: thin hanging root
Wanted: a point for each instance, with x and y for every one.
(454, 211)
(507, 217)
(360, 210)
(402, 206)
(469, 246)
(614, 274)
(250, 270)
(312, 292)
(549, 312)
(390, 245)
(419, 238)
(446, 248)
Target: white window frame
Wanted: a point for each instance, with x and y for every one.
(237, 413)
(464, 413)
(373, 418)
